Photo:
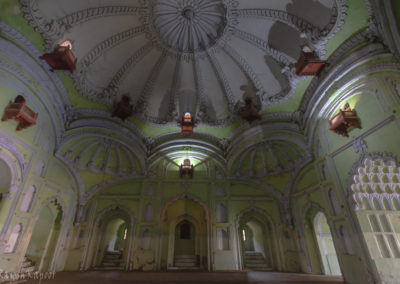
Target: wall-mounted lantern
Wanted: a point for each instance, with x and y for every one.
(309, 64)
(20, 112)
(249, 112)
(187, 123)
(124, 109)
(61, 58)
(345, 119)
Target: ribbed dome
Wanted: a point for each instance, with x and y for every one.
(101, 155)
(268, 158)
(174, 56)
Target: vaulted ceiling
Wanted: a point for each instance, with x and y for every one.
(174, 56)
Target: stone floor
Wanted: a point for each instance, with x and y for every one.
(100, 277)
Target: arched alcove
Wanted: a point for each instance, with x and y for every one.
(322, 249)
(222, 214)
(39, 168)
(146, 239)
(223, 239)
(148, 213)
(13, 239)
(44, 237)
(28, 199)
(326, 247)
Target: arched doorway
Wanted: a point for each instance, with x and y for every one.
(112, 245)
(44, 237)
(110, 241)
(326, 247)
(319, 246)
(186, 251)
(257, 248)
(185, 232)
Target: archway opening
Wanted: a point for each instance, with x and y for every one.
(116, 232)
(326, 247)
(185, 239)
(113, 244)
(185, 249)
(43, 241)
(256, 246)
(110, 241)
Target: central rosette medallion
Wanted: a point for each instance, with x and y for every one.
(189, 25)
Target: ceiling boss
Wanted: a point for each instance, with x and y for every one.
(187, 25)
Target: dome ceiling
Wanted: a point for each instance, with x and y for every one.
(174, 56)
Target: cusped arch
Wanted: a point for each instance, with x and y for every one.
(115, 210)
(310, 210)
(252, 212)
(184, 196)
(15, 161)
(52, 200)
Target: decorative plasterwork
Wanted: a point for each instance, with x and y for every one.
(8, 145)
(318, 99)
(13, 157)
(268, 158)
(252, 212)
(273, 123)
(385, 23)
(101, 153)
(211, 47)
(359, 145)
(102, 120)
(189, 25)
(374, 182)
(174, 152)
